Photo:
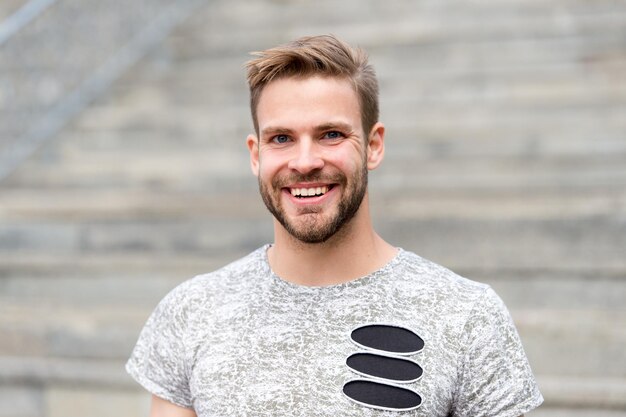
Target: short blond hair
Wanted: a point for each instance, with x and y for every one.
(308, 56)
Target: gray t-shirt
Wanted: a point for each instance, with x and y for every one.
(243, 342)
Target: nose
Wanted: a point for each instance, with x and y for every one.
(307, 157)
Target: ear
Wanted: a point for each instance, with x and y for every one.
(253, 148)
(376, 146)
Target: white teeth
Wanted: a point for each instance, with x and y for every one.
(306, 192)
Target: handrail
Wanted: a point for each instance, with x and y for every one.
(24, 15)
(50, 123)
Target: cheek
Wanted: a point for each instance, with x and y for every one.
(346, 162)
(269, 167)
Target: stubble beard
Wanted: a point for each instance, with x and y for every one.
(311, 226)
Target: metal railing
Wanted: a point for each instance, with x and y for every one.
(22, 17)
(57, 56)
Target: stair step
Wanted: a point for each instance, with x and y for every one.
(229, 171)
(518, 244)
(574, 342)
(129, 204)
(77, 372)
(593, 397)
(216, 235)
(560, 142)
(49, 329)
(593, 240)
(501, 86)
(428, 22)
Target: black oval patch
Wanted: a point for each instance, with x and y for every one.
(382, 396)
(385, 367)
(388, 338)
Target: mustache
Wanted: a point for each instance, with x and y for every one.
(286, 180)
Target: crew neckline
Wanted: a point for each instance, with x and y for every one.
(357, 282)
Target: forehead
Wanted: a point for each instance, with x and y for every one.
(298, 102)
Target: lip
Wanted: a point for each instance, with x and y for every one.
(309, 200)
(309, 185)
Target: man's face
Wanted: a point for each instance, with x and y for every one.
(311, 155)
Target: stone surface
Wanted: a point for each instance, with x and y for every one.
(505, 161)
(80, 402)
(21, 401)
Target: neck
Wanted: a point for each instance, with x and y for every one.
(353, 252)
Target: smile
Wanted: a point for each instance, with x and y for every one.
(309, 192)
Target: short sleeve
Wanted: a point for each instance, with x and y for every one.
(158, 359)
(495, 377)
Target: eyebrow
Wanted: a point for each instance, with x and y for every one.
(334, 126)
(277, 130)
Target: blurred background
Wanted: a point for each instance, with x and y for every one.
(123, 172)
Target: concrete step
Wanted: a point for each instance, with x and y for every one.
(387, 200)
(127, 204)
(565, 84)
(97, 280)
(561, 145)
(569, 83)
(519, 244)
(486, 128)
(486, 243)
(227, 169)
(427, 22)
(503, 173)
(74, 372)
(582, 396)
(154, 166)
(528, 120)
(574, 342)
(72, 400)
(218, 235)
(50, 329)
(126, 127)
(481, 242)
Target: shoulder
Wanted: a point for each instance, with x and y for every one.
(254, 263)
(439, 282)
(205, 288)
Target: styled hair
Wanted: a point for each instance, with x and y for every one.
(308, 56)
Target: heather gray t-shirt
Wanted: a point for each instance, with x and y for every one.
(242, 342)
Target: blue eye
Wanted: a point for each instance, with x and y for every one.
(333, 135)
(280, 139)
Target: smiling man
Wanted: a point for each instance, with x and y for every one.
(329, 320)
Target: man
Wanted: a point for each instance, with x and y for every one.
(329, 320)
